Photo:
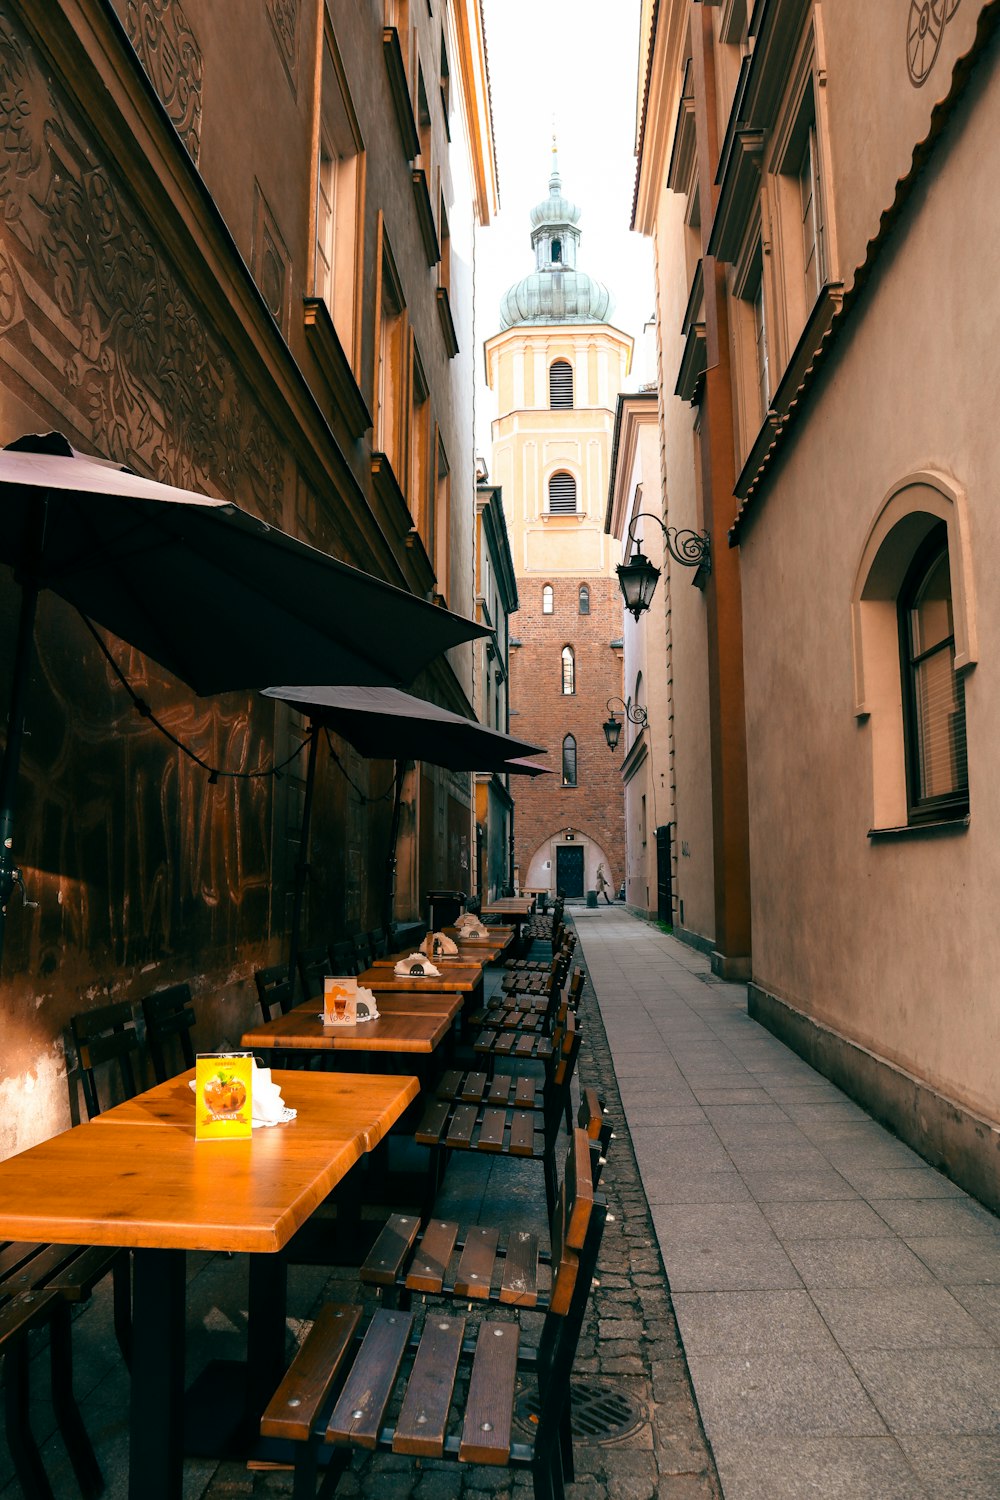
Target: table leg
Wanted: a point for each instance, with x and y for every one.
(266, 1334)
(156, 1422)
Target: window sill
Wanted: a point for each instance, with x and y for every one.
(399, 87)
(942, 827)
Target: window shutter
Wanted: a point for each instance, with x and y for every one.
(562, 495)
(560, 385)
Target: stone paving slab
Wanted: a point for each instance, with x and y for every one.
(838, 1299)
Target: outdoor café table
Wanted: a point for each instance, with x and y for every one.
(415, 1032)
(150, 1186)
(487, 948)
(512, 909)
(463, 979)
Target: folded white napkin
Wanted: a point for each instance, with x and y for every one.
(436, 942)
(416, 964)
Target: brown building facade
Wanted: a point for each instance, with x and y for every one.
(820, 182)
(272, 304)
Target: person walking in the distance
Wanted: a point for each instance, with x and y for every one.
(601, 882)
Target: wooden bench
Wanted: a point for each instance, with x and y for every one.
(452, 1395)
(510, 1128)
(38, 1285)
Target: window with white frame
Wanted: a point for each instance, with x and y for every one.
(548, 599)
(568, 670)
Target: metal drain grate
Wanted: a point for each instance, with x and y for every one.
(601, 1414)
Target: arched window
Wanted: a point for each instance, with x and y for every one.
(569, 761)
(556, 251)
(560, 385)
(584, 599)
(568, 670)
(913, 639)
(547, 599)
(937, 773)
(562, 494)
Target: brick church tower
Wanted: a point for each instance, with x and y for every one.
(557, 366)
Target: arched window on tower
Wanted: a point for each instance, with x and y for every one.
(562, 495)
(556, 251)
(569, 761)
(547, 599)
(560, 385)
(568, 670)
(584, 599)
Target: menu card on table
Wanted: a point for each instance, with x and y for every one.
(223, 1096)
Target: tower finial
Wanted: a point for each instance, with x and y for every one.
(555, 181)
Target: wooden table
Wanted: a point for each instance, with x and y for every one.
(514, 909)
(461, 979)
(489, 948)
(463, 960)
(139, 1178)
(418, 1027)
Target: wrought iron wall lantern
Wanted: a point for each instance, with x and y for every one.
(638, 576)
(634, 712)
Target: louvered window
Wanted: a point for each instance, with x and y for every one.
(560, 385)
(569, 761)
(562, 495)
(933, 694)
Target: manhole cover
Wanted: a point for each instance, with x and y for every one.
(601, 1414)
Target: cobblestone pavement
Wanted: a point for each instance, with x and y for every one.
(629, 1348)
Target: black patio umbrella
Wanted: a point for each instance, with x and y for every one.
(385, 724)
(219, 597)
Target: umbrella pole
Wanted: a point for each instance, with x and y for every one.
(390, 864)
(302, 863)
(10, 875)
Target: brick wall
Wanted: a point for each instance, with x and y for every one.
(543, 714)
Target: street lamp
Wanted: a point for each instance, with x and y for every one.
(638, 576)
(635, 713)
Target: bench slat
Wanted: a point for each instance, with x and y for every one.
(423, 1416)
(430, 1264)
(14, 1253)
(500, 1089)
(385, 1260)
(449, 1083)
(522, 1134)
(525, 1096)
(475, 1269)
(428, 1132)
(311, 1373)
(473, 1088)
(32, 1273)
(490, 1402)
(463, 1123)
(492, 1129)
(357, 1416)
(519, 1285)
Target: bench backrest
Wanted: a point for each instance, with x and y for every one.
(169, 1013)
(274, 988)
(343, 959)
(105, 1036)
(314, 964)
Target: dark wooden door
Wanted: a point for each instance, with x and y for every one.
(569, 869)
(664, 884)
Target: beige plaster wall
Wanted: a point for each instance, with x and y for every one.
(685, 622)
(894, 944)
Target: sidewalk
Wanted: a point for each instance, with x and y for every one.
(838, 1299)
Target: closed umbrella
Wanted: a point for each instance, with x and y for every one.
(383, 723)
(219, 597)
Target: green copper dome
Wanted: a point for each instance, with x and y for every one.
(555, 291)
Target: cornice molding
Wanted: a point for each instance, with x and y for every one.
(738, 195)
(321, 336)
(399, 89)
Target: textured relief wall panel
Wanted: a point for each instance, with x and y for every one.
(168, 50)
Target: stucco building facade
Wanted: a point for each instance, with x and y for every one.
(275, 305)
(557, 367)
(819, 179)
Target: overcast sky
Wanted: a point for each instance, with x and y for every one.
(578, 64)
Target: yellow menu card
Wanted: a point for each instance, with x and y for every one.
(223, 1096)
